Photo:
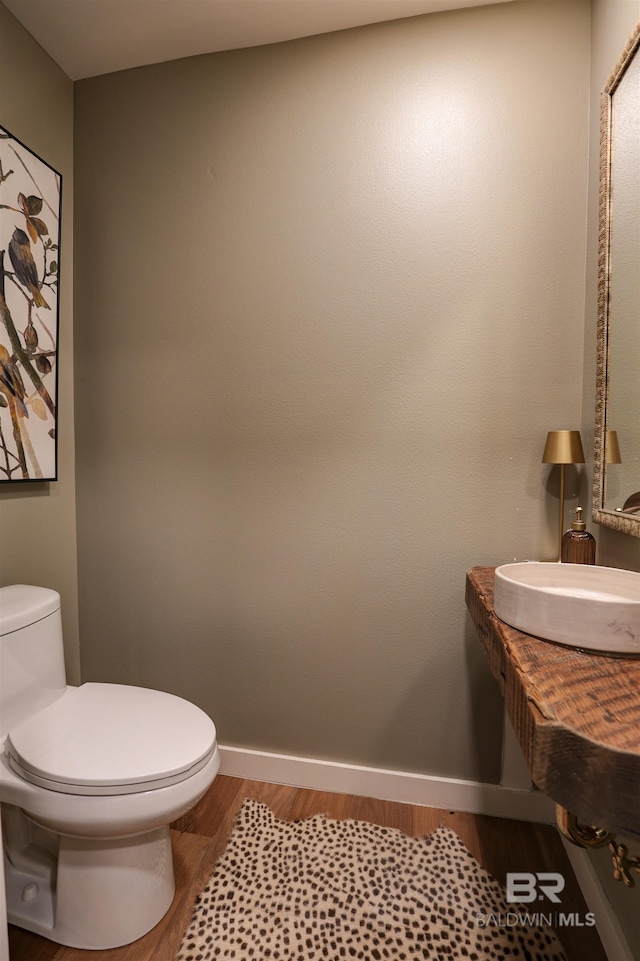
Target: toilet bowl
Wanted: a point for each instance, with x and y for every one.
(90, 779)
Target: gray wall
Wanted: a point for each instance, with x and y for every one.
(38, 520)
(329, 299)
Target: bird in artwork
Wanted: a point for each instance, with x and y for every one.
(25, 266)
(11, 383)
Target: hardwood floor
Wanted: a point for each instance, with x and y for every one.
(200, 837)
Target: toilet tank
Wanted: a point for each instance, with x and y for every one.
(32, 673)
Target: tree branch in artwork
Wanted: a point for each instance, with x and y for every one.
(6, 468)
(11, 403)
(33, 272)
(31, 177)
(17, 348)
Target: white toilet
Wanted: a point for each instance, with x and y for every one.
(90, 779)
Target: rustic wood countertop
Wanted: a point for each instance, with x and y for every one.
(576, 715)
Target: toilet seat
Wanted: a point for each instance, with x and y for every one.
(105, 739)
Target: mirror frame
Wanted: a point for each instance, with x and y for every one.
(628, 524)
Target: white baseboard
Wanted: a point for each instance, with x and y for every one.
(608, 927)
(437, 792)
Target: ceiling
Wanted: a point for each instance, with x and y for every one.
(91, 37)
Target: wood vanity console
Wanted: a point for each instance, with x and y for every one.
(576, 715)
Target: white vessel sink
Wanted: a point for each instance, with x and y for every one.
(595, 608)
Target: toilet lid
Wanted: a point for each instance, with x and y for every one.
(112, 739)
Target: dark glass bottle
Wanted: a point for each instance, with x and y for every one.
(578, 545)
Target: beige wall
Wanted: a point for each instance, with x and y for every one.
(611, 26)
(37, 520)
(329, 299)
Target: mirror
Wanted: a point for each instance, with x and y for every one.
(616, 479)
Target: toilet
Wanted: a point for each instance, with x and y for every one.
(90, 779)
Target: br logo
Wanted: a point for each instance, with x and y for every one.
(534, 887)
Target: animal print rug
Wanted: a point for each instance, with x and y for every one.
(321, 888)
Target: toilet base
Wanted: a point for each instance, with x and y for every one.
(91, 894)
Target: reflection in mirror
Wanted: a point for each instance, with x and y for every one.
(617, 441)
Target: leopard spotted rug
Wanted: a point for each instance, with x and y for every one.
(321, 888)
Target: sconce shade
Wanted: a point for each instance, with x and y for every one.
(563, 447)
(612, 448)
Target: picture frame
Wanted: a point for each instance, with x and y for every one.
(30, 222)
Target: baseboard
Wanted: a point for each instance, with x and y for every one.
(439, 792)
(608, 927)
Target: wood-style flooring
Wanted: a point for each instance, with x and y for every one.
(200, 837)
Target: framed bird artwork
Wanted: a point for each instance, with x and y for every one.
(30, 213)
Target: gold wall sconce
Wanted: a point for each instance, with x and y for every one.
(612, 448)
(563, 447)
